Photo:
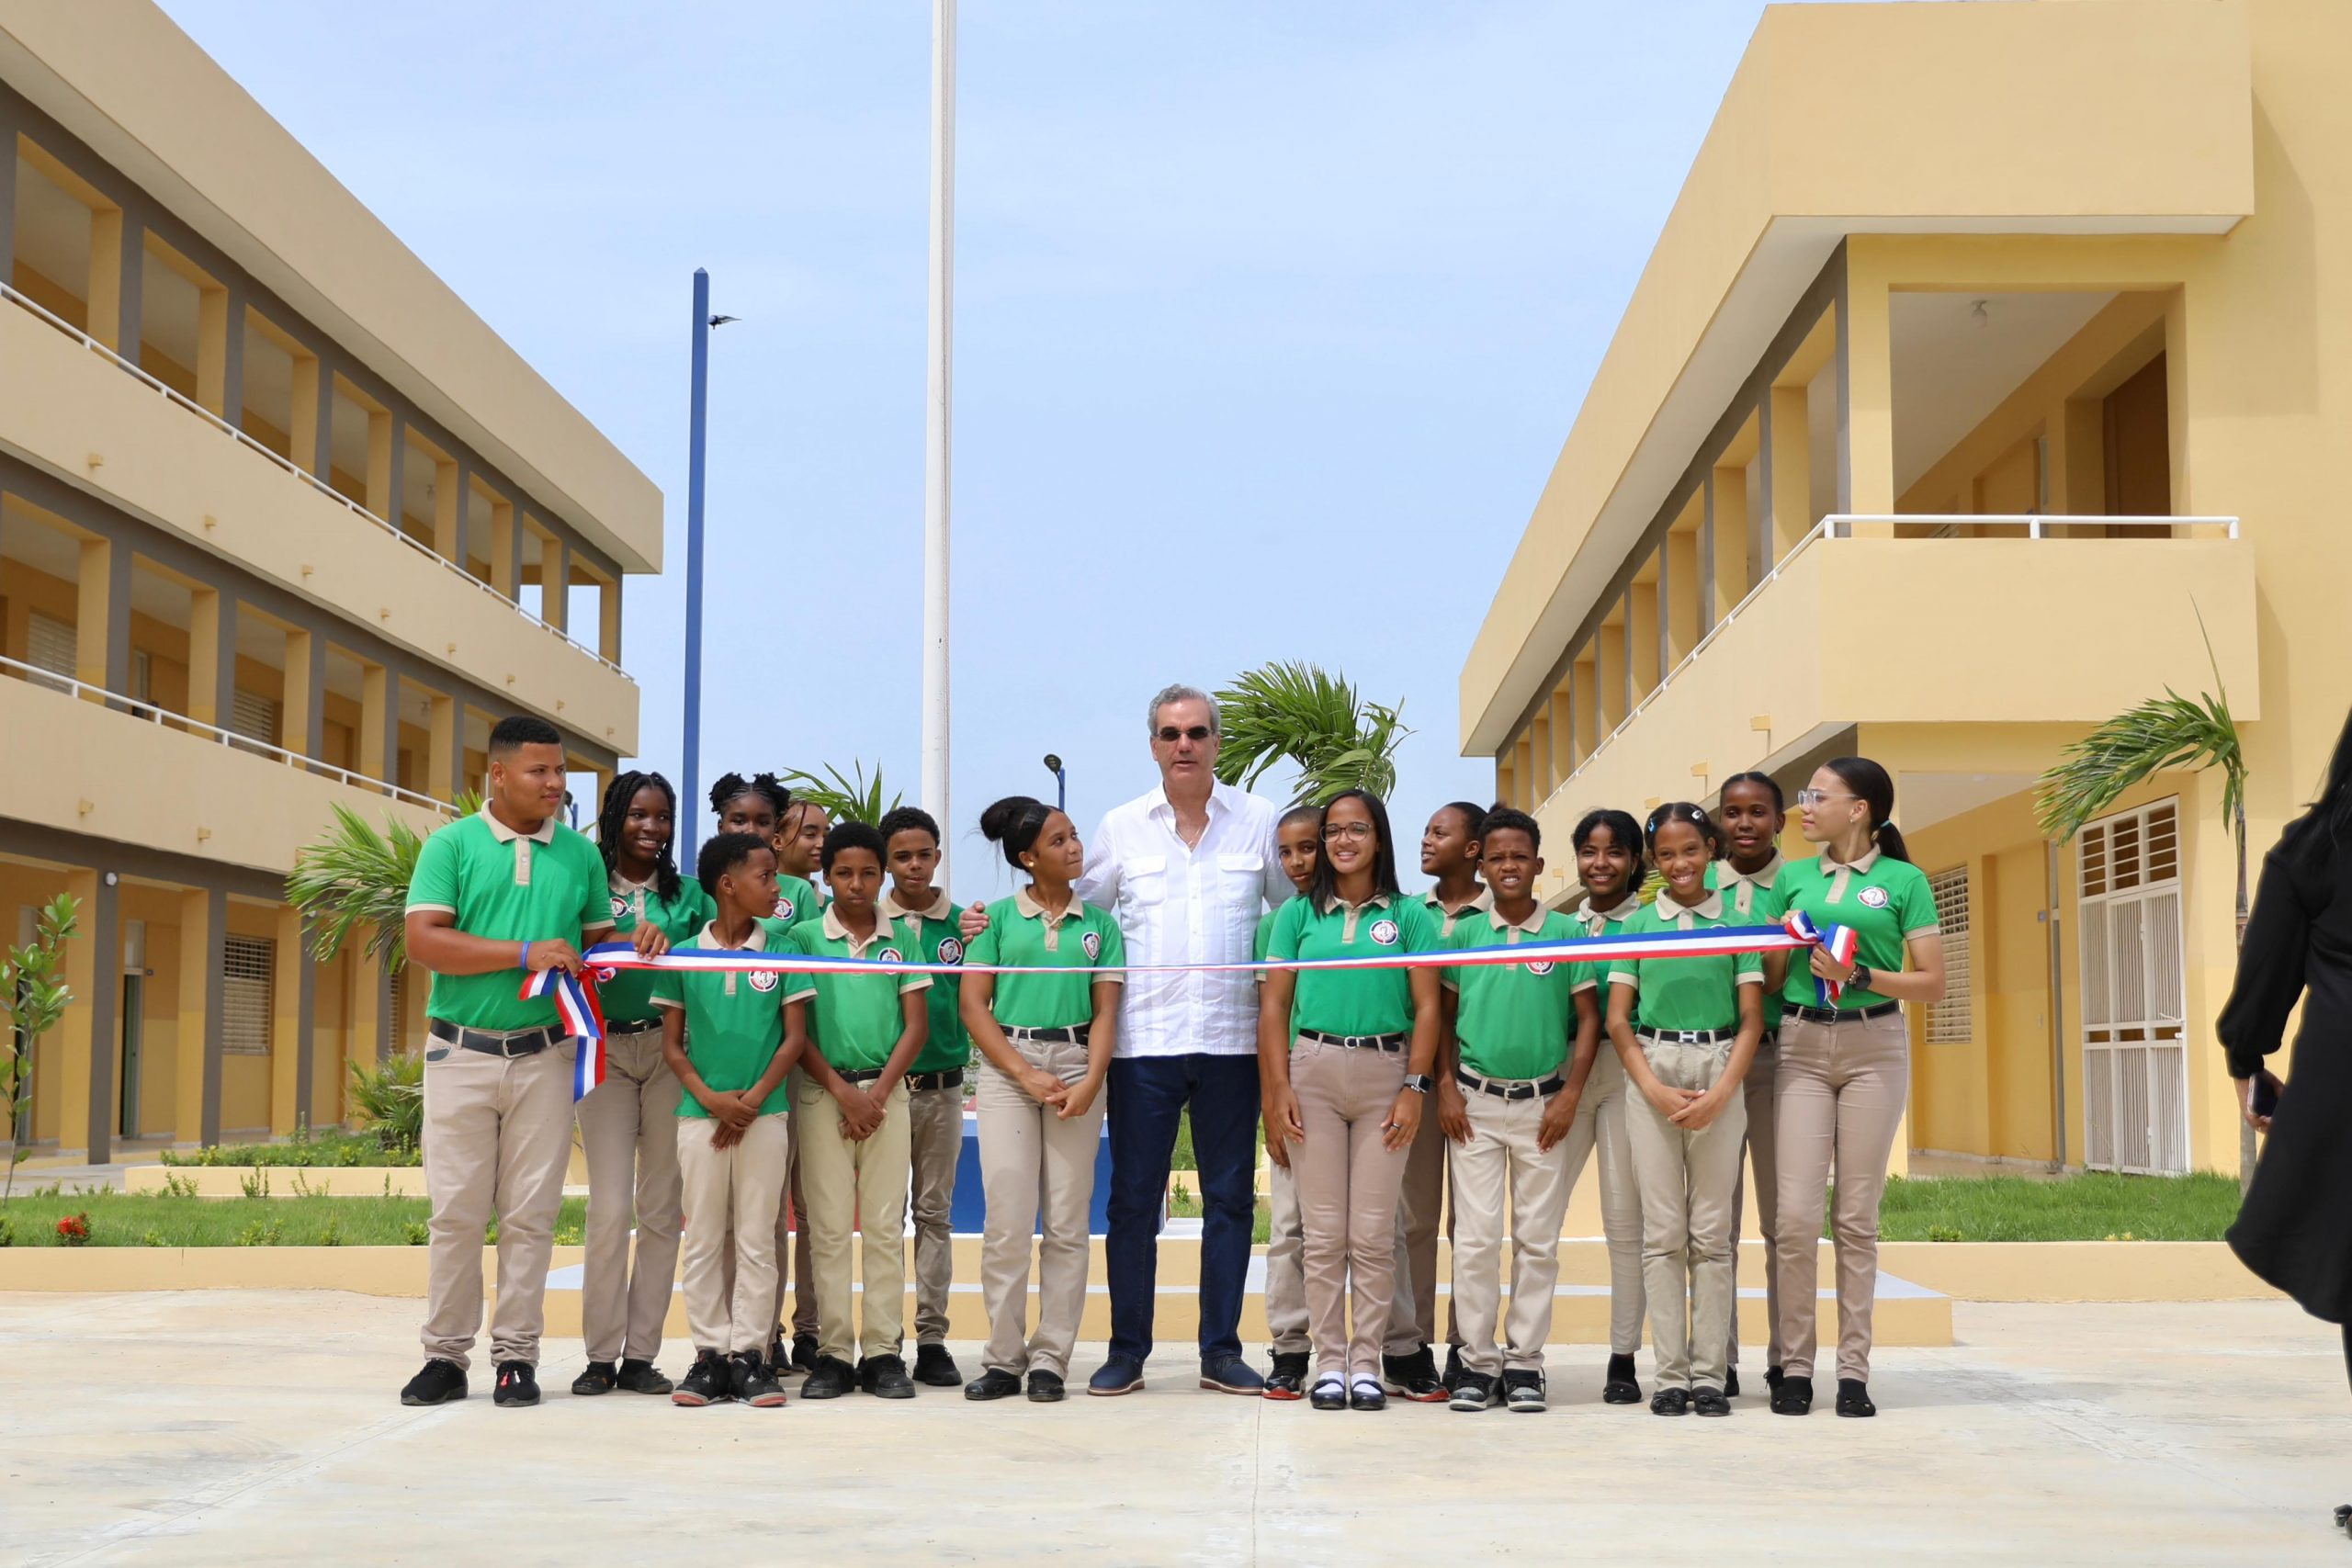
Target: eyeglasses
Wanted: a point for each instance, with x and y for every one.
(1170, 734)
(1821, 797)
(1358, 831)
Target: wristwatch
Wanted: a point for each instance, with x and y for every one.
(1861, 977)
(1418, 1082)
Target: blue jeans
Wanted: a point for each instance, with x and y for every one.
(1147, 1094)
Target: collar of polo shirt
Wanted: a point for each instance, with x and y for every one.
(1484, 901)
(1533, 925)
(1032, 911)
(1333, 901)
(1860, 865)
(1730, 876)
(506, 835)
(1626, 911)
(942, 906)
(1711, 907)
(836, 932)
(711, 938)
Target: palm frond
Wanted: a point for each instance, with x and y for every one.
(1311, 718)
(2161, 735)
(353, 882)
(853, 797)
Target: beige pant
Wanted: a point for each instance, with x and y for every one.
(1502, 1158)
(1029, 1155)
(862, 1186)
(1347, 1198)
(1758, 1088)
(497, 1138)
(731, 1193)
(1412, 1314)
(1842, 1090)
(792, 1252)
(628, 1130)
(1286, 1263)
(934, 1143)
(1687, 1179)
(1600, 1128)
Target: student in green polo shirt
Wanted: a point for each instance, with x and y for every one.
(1519, 1062)
(1608, 845)
(723, 1036)
(629, 1123)
(758, 805)
(1047, 1039)
(926, 916)
(1298, 843)
(501, 894)
(863, 1031)
(1344, 1058)
(1845, 1066)
(1701, 1018)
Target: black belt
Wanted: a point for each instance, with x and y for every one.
(1841, 1015)
(1510, 1089)
(495, 1041)
(650, 1026)
(1354, 1041)
(925, 1083)
(862, 1075)
(1689, 1036)
(1069, 1036)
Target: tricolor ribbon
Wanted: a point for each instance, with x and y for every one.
(1838, 942)
(575, 1003)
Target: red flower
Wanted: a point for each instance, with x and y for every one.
(73, 1230)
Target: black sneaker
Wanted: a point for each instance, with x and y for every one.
(1472, 1391)
(1523, 1390)
(1854, 1398)
(935, 1366)
(439, 1382)
(1731, 1382)
(779, 1359)
(641, 1377)
(1711, 1402)
(1453, 1367)
(752, 1383)
(596, 1377)
(1772, 1376)
(708, 1381)
(1619, 1387)
(1670, 1402)
(993, 1384)
(518, 1384)
(1046, 1388)
(1413, 1376)
(830, 1379)
(804, 1352)
(1287, 1380)
(885, 1377)
(1794, 1397)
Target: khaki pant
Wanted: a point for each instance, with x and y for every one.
(1687, 1179)
(792, 1250)
(730, 1195)
(1502, 1156)
(1412, 1314)
(1600, 1128)
(864, 1186)
(1347, 1198)
(497, 1138)
(1758, 1088)
(628, 1129)
(1029, 1155)
(1842, 1090)
(934, 1143)
(1286, 1263)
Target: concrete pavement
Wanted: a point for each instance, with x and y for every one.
(263, 1428)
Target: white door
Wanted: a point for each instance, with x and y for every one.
(2135, 1068)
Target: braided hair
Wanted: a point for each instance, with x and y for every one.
(612, 821)
(766, 785)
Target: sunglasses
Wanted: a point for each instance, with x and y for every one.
(1169, 734)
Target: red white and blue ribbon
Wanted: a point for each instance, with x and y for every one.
(575, 1003)
(1838, 942)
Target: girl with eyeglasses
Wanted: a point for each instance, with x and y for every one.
(1344, 1058)
(1609, 864)
(1845, 1062)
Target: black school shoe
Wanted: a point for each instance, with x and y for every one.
(1670, 1402)
(1046, 1388)
(830, 1379)
(993, 1384)
(1794, 1397)
(1618, 1386)
(640, 1377)
(1854, 1398)
(752, 1381)
(1287, 1380)
(708, 1381)
(885, 1377)
(1329, 1392)
(439, 1382)
(1453, 1367)
(1731, 1382)
(596, 1377)
(1711, 1402)
(1413, 1376)
(1523, 1390)
(518, 1384)
(804, 1354)
(935, 1367)
(1472, 1391)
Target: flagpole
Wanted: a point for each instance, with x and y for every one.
(937, 401)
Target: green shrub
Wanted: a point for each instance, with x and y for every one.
(330, 1148)
(390, 1099)
(416, 1232)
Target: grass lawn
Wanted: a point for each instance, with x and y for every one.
(328, 1148)
(118, 1219)
(2093, 1206)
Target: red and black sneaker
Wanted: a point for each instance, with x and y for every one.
(1287, 1380)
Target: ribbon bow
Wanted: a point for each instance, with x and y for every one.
(575, 1001)
(1838, 942)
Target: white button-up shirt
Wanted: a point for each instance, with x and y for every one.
(1179, 905)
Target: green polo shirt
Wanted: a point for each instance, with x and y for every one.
(1686, 993)
(933, 937)
(506, 887)
(628, 997)
(796, 901)
(1513, 1021)
(854, 1020)
(1886, 902)
(1751, 901)
(1084, 940)
(1352, 1001)
(734, 1021)
(1594, 976)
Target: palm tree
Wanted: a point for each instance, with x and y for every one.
(854, 798)
(1311, 718)
(2165, 734)
(353, 880)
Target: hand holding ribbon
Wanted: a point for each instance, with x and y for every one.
(1838, 942)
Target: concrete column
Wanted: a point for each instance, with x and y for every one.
(1678, 578)
(1866, 397)
(1614, 682)
(7, 193)
(1584, 697)
(1564, 733)
(302, 715)
(449, 512)
(1642, 641)
(608, 632)
(90, 1034)
(1788, 470)
(383, 438)
(1540, 778)
(212, 655)
(311, 424)
(396, 477)
(506, 549)
(447, 761)
(232, 359)
(104, 297)
(555, 583)
(379, 723)
(1710, 611)
(102, 616)
(204, 928)
(289, 1032)
(216, 329)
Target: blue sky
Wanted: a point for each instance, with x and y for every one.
(1270, 321)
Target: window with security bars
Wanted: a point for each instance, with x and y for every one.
(253, 717)
(247, 968)
(2135, 1000)
(1952, 1022)
(54, 646)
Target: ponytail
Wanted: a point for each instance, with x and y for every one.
(1890, 843)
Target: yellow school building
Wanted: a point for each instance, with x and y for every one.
(284, 527)
(1992, 360)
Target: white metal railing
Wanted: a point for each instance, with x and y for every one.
(1842, 526)
(311, 479)
(140, 708)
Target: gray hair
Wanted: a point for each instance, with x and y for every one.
(1182, 693)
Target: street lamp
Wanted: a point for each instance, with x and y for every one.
(698, 408)
(1061, 781)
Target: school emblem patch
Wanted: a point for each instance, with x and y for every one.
(1539, 967)
(1092, 942)
(890, 956)
(764, 980)
(1874, 897)
(783, 908)
(620, 906)
(951, 950)
(1383, 932)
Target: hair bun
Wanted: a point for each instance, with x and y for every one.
(1002, 817)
